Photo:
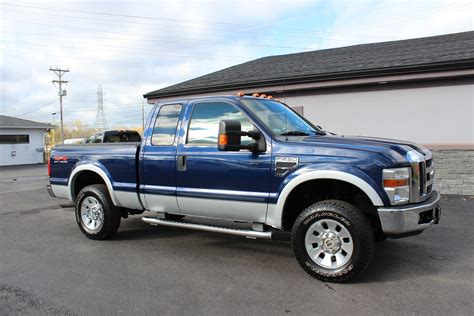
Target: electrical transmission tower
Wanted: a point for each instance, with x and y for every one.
(100, 120)
(62, 93)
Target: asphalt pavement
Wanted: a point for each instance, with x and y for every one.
(48, 267)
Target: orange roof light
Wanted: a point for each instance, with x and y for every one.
(240, 94)
(256, 94)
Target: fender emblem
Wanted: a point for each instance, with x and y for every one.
(284, 164)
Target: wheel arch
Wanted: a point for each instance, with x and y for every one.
(90, 168)
(276, 212)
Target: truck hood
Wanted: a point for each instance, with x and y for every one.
(370, 142)
(394, 149)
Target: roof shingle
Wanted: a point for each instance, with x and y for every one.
(13, 122)
(422, 54)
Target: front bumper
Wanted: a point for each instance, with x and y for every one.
(399, 220)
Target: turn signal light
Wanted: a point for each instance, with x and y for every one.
(223, 140)
(393, 183)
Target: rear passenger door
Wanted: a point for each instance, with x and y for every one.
(218, 184)
(158, 163)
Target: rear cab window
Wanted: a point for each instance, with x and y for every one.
(166, 124)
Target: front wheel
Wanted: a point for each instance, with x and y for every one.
(333, 241)
(96, 215)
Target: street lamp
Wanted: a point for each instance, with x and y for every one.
(54, 130)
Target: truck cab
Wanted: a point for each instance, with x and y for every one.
(255, 160)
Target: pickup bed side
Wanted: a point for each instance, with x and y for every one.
(74, 167)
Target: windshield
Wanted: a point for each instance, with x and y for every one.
(280, 119)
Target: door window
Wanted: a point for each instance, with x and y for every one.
(204, 125)
(164, 131)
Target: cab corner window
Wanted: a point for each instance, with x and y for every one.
(164, 131)
(204, 125)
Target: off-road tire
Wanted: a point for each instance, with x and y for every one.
(354, 222)
(111, 213)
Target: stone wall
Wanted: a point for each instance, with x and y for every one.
(454, 171)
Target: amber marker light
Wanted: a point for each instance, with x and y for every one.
(394, 183)
(223, 140)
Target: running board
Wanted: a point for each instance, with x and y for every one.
(215, 229)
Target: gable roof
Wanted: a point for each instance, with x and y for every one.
(13, 122)
(443, 52)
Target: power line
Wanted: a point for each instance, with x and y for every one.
(293, 32)
(39, 108)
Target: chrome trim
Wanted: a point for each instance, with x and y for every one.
(208, 228)
(419, 183)
(223, 192)
(405, 219)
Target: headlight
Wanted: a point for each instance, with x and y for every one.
(396, 183)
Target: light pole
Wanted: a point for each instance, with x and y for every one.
(54, 131)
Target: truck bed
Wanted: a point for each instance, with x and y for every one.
(117, 161)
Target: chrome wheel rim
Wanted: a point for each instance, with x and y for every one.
(92, 214)
(329, 244)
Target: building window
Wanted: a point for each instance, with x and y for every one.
(14, 139)
(165, 125)
(204, 126)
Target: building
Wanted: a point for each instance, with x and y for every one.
(420, 90)
(21, 141)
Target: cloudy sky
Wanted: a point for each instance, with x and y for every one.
(134, 47)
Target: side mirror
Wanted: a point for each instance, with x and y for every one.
(229, 139)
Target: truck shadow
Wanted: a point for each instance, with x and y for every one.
(394, 259)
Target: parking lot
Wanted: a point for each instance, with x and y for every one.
(48, 267)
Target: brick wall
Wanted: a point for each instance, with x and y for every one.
(454, 171)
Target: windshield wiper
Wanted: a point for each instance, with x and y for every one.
(294, 133)
(302, 133)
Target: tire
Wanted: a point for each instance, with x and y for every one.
(97, 217)
(333, 241)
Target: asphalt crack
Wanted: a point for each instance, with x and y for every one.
(15, 301)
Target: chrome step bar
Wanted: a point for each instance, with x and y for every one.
(208, 228)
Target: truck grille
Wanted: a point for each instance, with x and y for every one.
(426, 177)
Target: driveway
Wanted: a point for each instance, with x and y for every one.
(48, 267)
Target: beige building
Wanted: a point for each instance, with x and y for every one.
(420, 90)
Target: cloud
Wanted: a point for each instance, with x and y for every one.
(173, 41)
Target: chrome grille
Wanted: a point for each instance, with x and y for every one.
(422, 175)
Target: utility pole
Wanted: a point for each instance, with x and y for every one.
(143, 117)
(60, 73)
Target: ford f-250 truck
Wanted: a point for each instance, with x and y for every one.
(254, 160)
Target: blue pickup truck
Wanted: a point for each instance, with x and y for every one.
(254, 160)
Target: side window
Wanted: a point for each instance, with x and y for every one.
(166, 123)
(98, 138)
(204, 125)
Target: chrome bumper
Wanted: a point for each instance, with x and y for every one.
(50, 190)
(400, 220)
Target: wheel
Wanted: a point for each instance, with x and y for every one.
(96, 215)
(333, 241)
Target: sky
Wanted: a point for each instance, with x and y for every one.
(134, 47)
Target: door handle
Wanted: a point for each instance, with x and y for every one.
(181, 163)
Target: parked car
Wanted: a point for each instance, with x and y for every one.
(115, 136)
(254, 160)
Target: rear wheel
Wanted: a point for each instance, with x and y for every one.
(333, 241)
(97, 217)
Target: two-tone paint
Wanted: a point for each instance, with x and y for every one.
(242, 185)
